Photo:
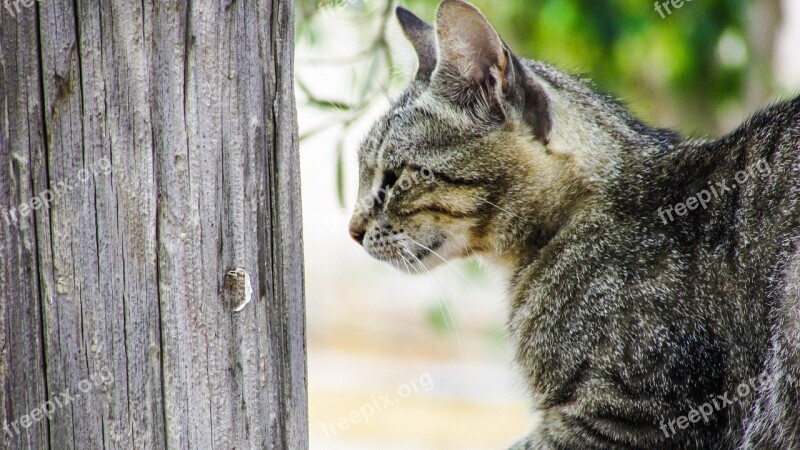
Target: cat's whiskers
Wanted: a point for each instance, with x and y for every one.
(453, 266)
(470, 251)
(446, 309)
(405, 261)
(398, 246)
(411, 254)
(500, 208)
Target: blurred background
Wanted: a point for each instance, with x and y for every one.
(402, 362)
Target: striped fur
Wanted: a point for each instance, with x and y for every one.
(622, 321)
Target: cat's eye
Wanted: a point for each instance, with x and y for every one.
(389, 179)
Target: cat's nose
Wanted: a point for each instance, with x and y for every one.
(357, 235)
(358, 228)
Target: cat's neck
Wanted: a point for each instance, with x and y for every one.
(595, 129)
(629, 171)
(609, 149)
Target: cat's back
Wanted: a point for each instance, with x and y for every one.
(766, 185)
(773, 135)
(772, 219)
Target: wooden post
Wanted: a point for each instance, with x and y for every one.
(150, 234)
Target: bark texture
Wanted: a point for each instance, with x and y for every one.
(159, 138)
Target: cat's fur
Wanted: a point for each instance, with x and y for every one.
(623, 320)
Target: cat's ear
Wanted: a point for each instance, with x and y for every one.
(423, 38)
(469, 46)
(472, 55)
(531, 99)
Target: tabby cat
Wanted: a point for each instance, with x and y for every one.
(654, 279)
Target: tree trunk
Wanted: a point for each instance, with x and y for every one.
(148, 172)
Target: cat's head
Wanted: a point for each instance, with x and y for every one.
(460, 164)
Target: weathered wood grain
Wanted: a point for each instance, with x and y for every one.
(22, 172)
(173, 125)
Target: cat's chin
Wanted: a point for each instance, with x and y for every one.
(405, 266)
(416, 262)
(412, 267)
(417, 255)
(419, 258)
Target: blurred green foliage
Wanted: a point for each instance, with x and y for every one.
(683, 70)
(701, 69)
(440, 317)
(679, 70)
(473, 271)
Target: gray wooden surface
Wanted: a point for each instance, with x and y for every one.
(170, 128)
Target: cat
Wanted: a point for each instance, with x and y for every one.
(654, 279)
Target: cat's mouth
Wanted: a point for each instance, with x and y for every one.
(413, 256)
(407, 253)
(423, 251)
